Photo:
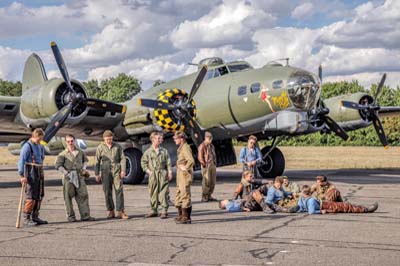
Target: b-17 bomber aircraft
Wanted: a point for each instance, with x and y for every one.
(232, 100)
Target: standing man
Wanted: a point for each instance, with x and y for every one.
(72, 163)
(111, 160)
(157, 164)
(208, 161)
(30, 170)
(184, 178)
(250, 156)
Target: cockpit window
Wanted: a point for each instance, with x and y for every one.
(223, 70)
(216, 73)
(303, 89)
(209, 74)
(237, 68)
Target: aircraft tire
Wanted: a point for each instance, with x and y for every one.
(273, 165)
(134, 171)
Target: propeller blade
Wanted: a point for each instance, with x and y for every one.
(156, 104)
(57, 122)
(194, 130)
(333, 126)
(105, 105)
(378, 90)
(385, 111)
(353, 105)
(61, 65)
(379, 129)
(197, 82)
(320, 73)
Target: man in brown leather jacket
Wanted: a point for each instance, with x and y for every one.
(325, 191)
(253, 197)
(208, 161)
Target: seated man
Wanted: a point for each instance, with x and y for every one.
(290, 186)
(325, 191)
(278, 199)
(308, 204)
(252, 192)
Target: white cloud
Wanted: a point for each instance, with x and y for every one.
(12, 63)
(232, 22)
(146, 70)
(303, 11)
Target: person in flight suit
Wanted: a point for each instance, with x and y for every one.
(184, 178)
(110, 161)
(72, 163)
(156, 163)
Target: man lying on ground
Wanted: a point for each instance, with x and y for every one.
(311, 205)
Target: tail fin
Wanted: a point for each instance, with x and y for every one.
(34, 72)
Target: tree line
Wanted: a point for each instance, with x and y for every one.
(123, 87)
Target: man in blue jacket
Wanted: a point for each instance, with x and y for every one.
(250, 156)
(277, 198)
(30, 170)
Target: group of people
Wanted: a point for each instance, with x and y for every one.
(110, 168)
(285, 196)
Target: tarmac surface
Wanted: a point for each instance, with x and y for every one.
(215, 237)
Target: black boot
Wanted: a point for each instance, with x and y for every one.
(27, 220)
(372, 208)
(35, 213)
(36, 219)
(177, 219)
(266, 208)
(278, 208)
(293, 209)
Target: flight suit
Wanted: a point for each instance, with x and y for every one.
(74, 161)
(327, 192)
(111, 162)
(184, 178)
(208, 161)
(158, 163)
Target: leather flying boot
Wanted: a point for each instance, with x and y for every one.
(189, 215)
(293, 209)
(111, 214)
(179, 214)
(27, 220)
(266, 208)
(185, 217)
(36, 219)
(372, 208)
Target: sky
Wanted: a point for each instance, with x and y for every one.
(153, 40)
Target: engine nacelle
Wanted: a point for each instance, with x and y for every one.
(349, 119)
(39, 103)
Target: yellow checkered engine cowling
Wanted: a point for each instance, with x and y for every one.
(166, 119)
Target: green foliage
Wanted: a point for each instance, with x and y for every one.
(117, 89)
(9, 88)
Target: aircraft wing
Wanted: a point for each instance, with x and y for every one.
(10, 131)
(386, 111)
